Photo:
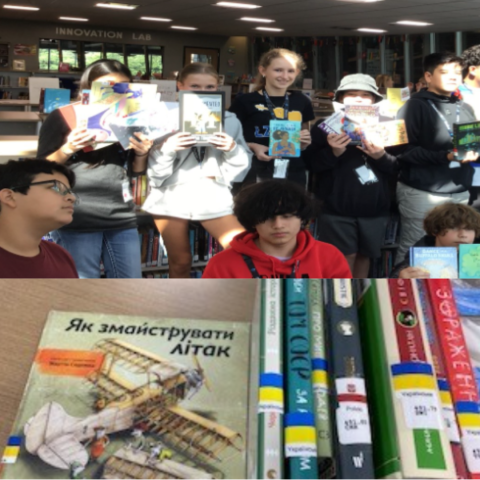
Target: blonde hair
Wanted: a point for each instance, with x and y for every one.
(197, 68)
(381, 80)
(267, 58)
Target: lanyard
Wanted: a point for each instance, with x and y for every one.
(254, 270)
(442, 117)
(271, 106)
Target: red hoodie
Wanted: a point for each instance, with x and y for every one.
(312, 259)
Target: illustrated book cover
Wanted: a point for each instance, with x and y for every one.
(202, 114)
(440, 262)
(469, 260)
(357, 118)
(284, 138)
(112, 396)
(466, 138)
(387, 134)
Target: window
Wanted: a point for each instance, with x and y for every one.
(445, 42)
(205, 55)
(154, 59)
(48, 54)
(348, 56)
(326, 64)
(69, 52)
(114, 51)
(371, 62)
(394, 59)
(420, 48)
(92, 52)
(136, 60)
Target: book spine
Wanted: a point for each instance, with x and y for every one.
(448, 410)
(144, 249)
(459, 370)
(196, 256)
(386, 452)
(156, 242)
(320, 379)
(424, 446)
(300, 434)
(352, 433)
(271, 392)
(151, 233)
(144, 189)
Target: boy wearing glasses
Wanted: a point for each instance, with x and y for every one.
(35, 198)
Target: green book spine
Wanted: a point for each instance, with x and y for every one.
(300, 433)
(320, 379)
(271, 401)
(386, 453)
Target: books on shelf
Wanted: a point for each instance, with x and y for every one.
(112, 396)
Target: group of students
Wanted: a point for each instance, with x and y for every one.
(254, 204)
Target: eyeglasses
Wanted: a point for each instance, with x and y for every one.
(57, 186)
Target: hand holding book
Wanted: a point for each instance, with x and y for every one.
(374, 151)
(180, 141)
(140, 144)
(78, 139)
(260, 151)
(222, 141)
(305, 139)
(338, 143)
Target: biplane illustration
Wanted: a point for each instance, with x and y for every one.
(132, 387)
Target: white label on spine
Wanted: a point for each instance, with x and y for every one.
(353, 423)
(421, 408)
(342, 291)
(350, 386)
(270, 407)
(451, 423)
(471, 448)
(301, 450)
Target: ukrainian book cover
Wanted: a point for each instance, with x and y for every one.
(131, 397)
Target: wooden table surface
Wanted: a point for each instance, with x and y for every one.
(20, 117)
(26, 303)
(15, 146)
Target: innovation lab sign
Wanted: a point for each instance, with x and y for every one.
(97, 34)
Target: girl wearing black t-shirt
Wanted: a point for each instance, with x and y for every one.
(104, 223)
(278, 70)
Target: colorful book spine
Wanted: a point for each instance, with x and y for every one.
(459, 370)
(424, 446)
(156, 242)
(320, 379)
(151, 234)
(448, 409)
(271, 392)
(353, 442)
(300, 433)
(386, 452)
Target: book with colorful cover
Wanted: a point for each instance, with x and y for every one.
(423, 442)
(333, 124)
(53, 98)
(448, 409)
(469, 261)
(352, 430)
(299, 422)
(396, 99)
(284, 138)
(357, 118)
(466, 138)
(387, 134)
(386, 450)
(318, 350)
(440, 262)
(112, 396)
(270, 451)
(458, 365)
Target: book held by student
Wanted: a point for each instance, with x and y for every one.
(440, 262)
(131, 397)
(357, 118)
(284, 138)
(202, 114)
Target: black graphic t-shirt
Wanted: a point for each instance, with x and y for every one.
(252, 111)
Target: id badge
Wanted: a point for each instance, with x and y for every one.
(126, 191)
(366, 175)
(280, 168)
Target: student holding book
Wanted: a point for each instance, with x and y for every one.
(278, 70)
(104, 226)
(35, 197)
(194, 183)
(276, 244)
(353, 183)
(429, 171)
(447, 225)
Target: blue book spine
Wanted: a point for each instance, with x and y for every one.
(300, 432)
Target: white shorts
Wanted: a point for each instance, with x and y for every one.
(203, 199)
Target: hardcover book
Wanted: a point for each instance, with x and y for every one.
(111, 396)
(466, 138)
(440, 262)
(387, 134)
(469, 261)
(284, 138)
(53, 98)
(202, 114)
(352, 430)
(333, 124)
(357, 118)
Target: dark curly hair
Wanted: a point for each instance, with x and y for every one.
(449, 216)
(470, 58)
(257, 203)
